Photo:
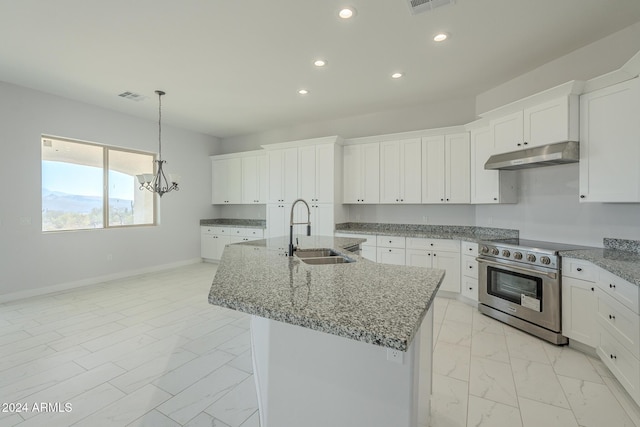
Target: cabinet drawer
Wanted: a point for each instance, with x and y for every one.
(470, 248)
(619, 321)
(470, 267)
(444, 245)
(371, 239)
(470, 288)
(621, 362)
(390, 242)
(216, 230)
(579, 269)
(255, 233)
(620, 289)
(391, 256)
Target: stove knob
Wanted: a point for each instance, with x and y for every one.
(545, 260)
(484, 249)
(517, 255)
(495, 251)
(506, 253)
(531, 258)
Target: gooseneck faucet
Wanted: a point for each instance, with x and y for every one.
(291, 224)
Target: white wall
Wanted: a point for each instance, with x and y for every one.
(549, 209)
(414, 214)
(31, 259)
(426, 116)
(603, 56)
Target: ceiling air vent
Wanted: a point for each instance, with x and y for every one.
(132, 96)
(419, 6)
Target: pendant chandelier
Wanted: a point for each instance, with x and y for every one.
(158, 183)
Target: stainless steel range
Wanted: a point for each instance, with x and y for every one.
(519, 284)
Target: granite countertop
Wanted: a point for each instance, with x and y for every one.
(620, 257)
(235, 222)
(365, 301)
(452, 232)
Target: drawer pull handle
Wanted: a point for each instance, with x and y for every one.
(612, 317)
(613, 356)
(579, 269)
(592, 290)
(470, 266)
(612, 286)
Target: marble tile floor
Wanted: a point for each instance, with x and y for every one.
(151, 351)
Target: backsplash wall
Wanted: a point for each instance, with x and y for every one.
(414, 214)
(549, 209)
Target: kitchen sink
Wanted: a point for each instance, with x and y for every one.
(321, 256)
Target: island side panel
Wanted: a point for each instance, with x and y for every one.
(310, 378)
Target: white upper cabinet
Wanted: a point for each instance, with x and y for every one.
(400, 169)
(316, 173)
(545, 123)
(446, 168)
(226, 181)
(283, 175)
(254, 179)
(489, 186)
(362, 173)
(610, 144)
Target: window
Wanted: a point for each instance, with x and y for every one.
(87, 186)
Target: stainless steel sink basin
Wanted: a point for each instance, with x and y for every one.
(327, 260)
(321, 256)
(315, 253)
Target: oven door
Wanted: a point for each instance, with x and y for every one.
(529, 293)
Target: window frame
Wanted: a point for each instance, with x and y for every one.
(105, 183)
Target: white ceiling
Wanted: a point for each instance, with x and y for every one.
(234, 67)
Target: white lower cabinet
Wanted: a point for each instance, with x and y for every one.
(368, 249)
(436, 253)
(469, 270)
(213, 239)
(601, 310)
(578, 308)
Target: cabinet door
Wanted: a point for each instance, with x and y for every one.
(322, 223)
(276, 217)
(579, 308)
(208, 248)
(275, 174)
(411, 170)
(370, 253)
(370, 181)
(290, 175)
(433, 165)
(262, 179)
(390, 172)
(219, 178)
(457, 179)
(549, 122)
(353, 173)
(307, 173)
(391, 256)
(610, 144)
(325, 173)
(469, 288)
(508, 132)
(234, 181)
(250, 183)
(418, 258)
(484, 183)
(450, 262)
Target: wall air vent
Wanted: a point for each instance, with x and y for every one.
(133, 96)
(419, 6)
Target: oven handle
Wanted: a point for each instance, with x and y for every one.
(528, 270)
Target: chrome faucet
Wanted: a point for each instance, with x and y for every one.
(291, 224)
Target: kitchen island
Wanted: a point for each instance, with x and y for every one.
(345, 344)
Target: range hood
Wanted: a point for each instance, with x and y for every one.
(547, 155)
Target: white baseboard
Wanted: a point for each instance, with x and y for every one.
(14, 296)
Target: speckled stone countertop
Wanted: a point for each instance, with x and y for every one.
(235, 222)
(365, 301)
(619, 257)
(453, 232)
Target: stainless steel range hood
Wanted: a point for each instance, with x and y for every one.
(546, 155)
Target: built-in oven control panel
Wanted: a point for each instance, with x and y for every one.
(538, 257)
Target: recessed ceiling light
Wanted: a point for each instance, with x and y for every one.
(440, 37)
(303, 91)
(347, 12)
(396, 75)
(320, 62)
